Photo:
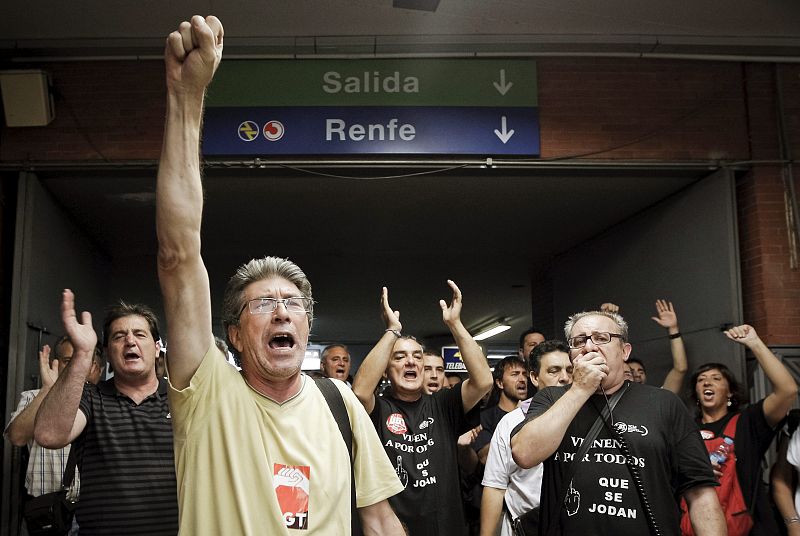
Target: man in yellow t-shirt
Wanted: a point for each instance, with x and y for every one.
(257, 452)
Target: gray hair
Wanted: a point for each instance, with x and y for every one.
(616, 317)
(257, 270)
(324, 354)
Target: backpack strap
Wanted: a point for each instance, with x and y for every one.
(730, 431)
(730, 428)
(337, 407)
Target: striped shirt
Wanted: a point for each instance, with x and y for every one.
(45, 466)
(127, 464)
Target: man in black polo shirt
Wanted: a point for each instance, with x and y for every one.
(121, 428)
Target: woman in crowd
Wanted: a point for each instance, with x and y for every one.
(751, 430)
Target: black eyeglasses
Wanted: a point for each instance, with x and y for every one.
(263, 306)
(600, 337)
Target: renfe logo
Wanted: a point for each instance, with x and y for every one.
(292, 483)
(395, 424)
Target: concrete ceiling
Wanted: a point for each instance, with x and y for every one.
(101, 28)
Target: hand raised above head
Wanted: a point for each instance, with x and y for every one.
(609, 307)
(193, 53)
(744, 334)
(452, 313)
(81, 333)
(667, 318)
(391, 318)
(48, 370)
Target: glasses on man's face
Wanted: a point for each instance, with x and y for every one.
(263, 306)
(599, 337)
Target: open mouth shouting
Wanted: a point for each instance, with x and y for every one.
(282, 341)
(410, 374)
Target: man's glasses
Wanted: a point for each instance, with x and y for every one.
(263, 306)
(600, 337)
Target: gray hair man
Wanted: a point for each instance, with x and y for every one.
(247, 444)
(604, 495)
(334, 362)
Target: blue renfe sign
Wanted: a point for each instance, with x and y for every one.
(481, 107)
(295, 130)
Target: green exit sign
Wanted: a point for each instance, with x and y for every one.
(378, 82)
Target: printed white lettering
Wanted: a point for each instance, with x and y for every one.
(295, 520)
(613, 496)
(399, 446)
(425, 482)
(369, 82)
(613, 482)
(611, 510)
(335, 128)
(600, 457)
(605, 444)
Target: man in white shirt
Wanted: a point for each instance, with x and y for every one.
(510, 491)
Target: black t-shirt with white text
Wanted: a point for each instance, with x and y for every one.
(602, 498)
(420, 439)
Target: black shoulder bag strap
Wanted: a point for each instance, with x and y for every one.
(336, 404)
(69, 469)
(555, 519)
(637, 479)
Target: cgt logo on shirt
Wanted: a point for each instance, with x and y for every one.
(396, 424)
(292, 484)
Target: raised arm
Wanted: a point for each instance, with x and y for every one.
(374, 365)
(667, 318)
(59, 420)
(20, 429)
(191, 55)
(540, 437)
(779, 401)
(480, 376)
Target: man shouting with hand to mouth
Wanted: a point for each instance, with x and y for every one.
(645, 452)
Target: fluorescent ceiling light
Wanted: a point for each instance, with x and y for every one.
(491, 331)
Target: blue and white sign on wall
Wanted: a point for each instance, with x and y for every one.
(371, 130)
(452, 359)
(486, 107)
